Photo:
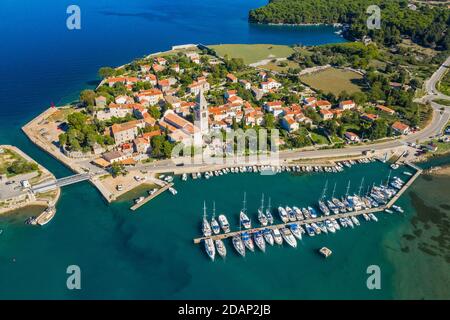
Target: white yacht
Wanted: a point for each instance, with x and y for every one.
(277, 236)
(248, 242)
(239, 245)
(296, 231)
(210, 249)
(221, 249)
(223, 221)
(268, 236)
(283, 214)
(214, 224)
(288, 237)
(259, 240)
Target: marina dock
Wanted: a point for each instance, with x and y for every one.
(323, 217)
(152, 196)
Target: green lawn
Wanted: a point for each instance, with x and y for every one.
(444, 84)
(318, 138)
(443, 102)
(252, 53)
(334, 80)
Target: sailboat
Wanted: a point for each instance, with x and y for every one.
(277, 236)
(322, 205)
(259, 240)
(214, 224)
(269, 213)
(206, 227)
(268, 236)
(248, 242)
(243, 218)
(296, 231)
(224, 223)
(210, 249)
(239, 245)
(261, 216)
(221, 249)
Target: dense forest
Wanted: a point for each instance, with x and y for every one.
(427, 26)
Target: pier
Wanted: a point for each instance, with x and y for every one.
(152, 196)
(323, 217)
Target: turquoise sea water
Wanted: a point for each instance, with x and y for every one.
(150, 253)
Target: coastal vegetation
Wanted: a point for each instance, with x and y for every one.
(12, 164)
(444, 84)
(425, 25)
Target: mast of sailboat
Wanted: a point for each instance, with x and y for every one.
(214, 209)
(262, 202)
(334, 189)
(360, 187)
(348, 188)
(389, 178)
(324, 190)
(268, 207)
(204, 209)
(244, 202)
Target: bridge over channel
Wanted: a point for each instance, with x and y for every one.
(62, 182)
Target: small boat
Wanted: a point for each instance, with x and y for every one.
(139, 200)
(316, 228)
(221, 249)
(283, 214)
(325, 252)
(349, 222)
(277, 236)
(298, 213)
(330, 226)
(366, 217)
(210, 249)
(335, 224)
(288, 237)
(322, 227)
(259, 240)
(310, 230)
(388, 211)
(291, 214)
(223, 221)
(312, 212)
(394, 166)
(373, 217)
(173, 191)
(296, 231)
(343, 222)
(306, 213)
(248, 242)
(407, 173)
(355, 221)
(239, 245)
(184, 177)
(268, 236)
(269, 213)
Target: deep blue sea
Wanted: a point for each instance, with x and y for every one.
(150, 254)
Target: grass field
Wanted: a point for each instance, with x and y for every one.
(276, 66)
(444, 84)
(252, 53)
(334, 81)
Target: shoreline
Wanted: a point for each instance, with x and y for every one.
(32, 199)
